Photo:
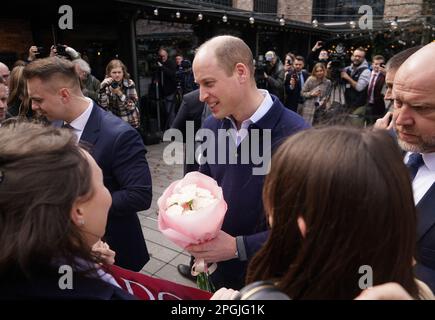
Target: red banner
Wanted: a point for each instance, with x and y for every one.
(148, 288)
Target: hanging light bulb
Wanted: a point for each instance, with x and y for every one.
(394, 25)
(352, 24)
(156, 12)
(224, 18)
(282, 21)
(315, 23)
(251, 20)
(200, 16)
(178, 14)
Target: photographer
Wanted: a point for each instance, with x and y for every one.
(165, 76)
(322, 56)
(118, 93)
(273, 75)
(357, 76)
(184, 76)
(293, 84)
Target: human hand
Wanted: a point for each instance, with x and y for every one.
(382, 70)
(318, 45)
(159, 64)
(344, 75)
(221, 248)
(224, 294)
(103, 252)
(106, 82)
(33, 52)
(53, 51)
(386, 122)
(266, 75)
(315, 93)
(386, 291)
(292, 82)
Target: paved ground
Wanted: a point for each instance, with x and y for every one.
(165, 256)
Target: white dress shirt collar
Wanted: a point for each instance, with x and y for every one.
(79, 123)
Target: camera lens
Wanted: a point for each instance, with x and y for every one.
(114, 85)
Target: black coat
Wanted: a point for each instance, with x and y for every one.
(191, 109)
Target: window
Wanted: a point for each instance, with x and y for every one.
(266, 6)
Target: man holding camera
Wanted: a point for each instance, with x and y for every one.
(274, 75)
(357, 76)
(294, 83)
(323, 56)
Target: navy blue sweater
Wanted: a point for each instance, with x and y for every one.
(242, 190)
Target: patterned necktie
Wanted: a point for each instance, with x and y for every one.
(415, 161)
(372, 85)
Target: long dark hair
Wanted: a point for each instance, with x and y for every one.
(354, 193)
(43, 172)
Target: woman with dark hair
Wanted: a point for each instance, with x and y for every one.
(53, 213)
(338, 199)
(53, 209)
(118, 93)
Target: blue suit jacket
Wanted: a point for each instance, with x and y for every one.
(425, 268)
(119, 151)
(242, 190)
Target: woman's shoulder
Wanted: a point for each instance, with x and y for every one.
(424, 292)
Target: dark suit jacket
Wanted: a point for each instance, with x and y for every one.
(191, 109)
(425, 268)
(378, 97)
(119, 151)
(293, 96)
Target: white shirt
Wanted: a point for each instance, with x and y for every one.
(425, 176)
(264, 107)
(79, 123)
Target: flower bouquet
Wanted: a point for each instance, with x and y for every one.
(191, 211)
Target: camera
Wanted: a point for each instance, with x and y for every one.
(338, 63)
(184, 77)
(40, 50)
(114, 85)
(260, 69)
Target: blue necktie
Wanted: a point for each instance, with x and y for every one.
(415, 161)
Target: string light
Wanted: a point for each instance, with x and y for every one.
(352, 24)
(178, 14)
(251, 20)
(315, 23)
(224, 18)
(200, 16)
(282, 21)
(156, 12)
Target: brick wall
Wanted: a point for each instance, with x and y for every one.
(244, 4)
(296, 10)
(15, 36)
(402, 8)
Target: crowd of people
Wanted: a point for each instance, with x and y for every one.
(77, 174)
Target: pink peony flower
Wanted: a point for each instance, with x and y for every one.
(191, 210)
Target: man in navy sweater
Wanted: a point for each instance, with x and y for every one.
(252, 120)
